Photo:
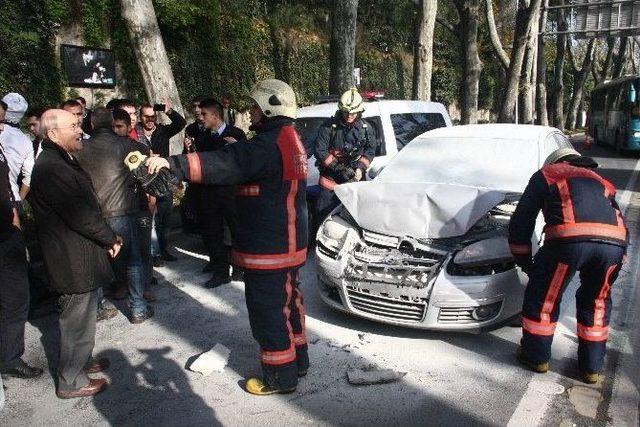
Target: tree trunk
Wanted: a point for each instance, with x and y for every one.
(423, 51)
(579, 80)
(524, 22)
(619, 61)
(602, 75)
(469, 12)
(558, 71)
(541, 75)
(151, 56)
(495, 38)
(527, 96)
(343, 45)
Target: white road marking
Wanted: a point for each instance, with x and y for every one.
(534, 403)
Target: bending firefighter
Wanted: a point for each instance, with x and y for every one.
(344, 150)
(585, 233)
(270, 244)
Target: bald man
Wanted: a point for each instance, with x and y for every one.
(76, 242)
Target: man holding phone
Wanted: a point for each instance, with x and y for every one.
(156, 136)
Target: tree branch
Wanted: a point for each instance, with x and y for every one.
(495, 38)
(448, 26)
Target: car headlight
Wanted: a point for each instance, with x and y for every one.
(332, 234)
(482, 258)
(636, 134)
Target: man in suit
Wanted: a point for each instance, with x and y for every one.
(75, 240)
(217, 203)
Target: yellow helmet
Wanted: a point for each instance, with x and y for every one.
(275, 98)
(351, 101)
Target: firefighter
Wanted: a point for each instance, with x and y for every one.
(585, 233)
(344, 150)
(271, 240)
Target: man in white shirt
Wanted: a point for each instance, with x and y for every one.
(19, 153)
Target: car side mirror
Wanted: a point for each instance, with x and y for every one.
(373, 172)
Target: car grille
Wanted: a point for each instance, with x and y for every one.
(457, 315)
(389, 308)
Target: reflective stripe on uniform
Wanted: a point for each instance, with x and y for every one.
(289, 355)
(520, 249)
(538, 328)
(299, 339)
(585, 229)
(567, 204)
(291, 216)
(278, 357)
(557, 280)
(328, 160)
(327, 183)
(269, 261)
(195, 168)
(600, 302)
(247, 190)
(593, 333)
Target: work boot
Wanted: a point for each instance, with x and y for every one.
(237, 275)
(259, 388)
(540, 368)
(139, 318)
(590, 377)
(216, 281)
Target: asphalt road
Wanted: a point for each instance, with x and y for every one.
(452, 378)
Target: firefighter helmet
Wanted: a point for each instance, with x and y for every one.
(559, 154)
(275, 98)
(351, 102)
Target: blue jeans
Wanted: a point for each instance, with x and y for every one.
(144, 233)
(161, 224)
(129, 262)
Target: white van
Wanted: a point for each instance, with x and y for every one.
(394, 123)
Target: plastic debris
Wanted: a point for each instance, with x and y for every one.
(375, 376)
(213, 360)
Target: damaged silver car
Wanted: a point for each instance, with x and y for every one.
(424, 244)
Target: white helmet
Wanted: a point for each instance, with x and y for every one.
(351, 102)
(275, 98)
(559, 154)
(16, 107)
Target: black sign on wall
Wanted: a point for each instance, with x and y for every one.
(88, 66)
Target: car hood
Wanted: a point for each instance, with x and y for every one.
(419, 210)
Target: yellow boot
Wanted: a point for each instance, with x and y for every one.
(590, 377)
(260, 388)
(540, 368)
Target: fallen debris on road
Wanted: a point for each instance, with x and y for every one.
(213, 360)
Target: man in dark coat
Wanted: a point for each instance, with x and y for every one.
(217, 203)
(14, 285)
(75, 240)
(103, 158)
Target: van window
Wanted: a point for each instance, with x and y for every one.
(308, 128)
(409, 125)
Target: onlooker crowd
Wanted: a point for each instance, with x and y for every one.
(98, 234)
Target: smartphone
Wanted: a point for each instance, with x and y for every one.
(159, 107)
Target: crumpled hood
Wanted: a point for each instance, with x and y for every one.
(419, 210)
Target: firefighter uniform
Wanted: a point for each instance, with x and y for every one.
(341, 149)
(270, 243)
(585, 233)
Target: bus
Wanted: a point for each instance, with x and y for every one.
(614, 115)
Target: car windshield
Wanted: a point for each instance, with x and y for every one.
(479, 162)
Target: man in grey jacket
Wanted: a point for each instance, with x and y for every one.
(103, 159)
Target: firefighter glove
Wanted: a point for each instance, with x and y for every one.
(159, 184)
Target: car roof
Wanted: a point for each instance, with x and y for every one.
(492, 130)
(374, 108)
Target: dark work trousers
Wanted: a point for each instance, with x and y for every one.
(276, 315)
(327, 201)
(217, 207)
(162, 221)
(554, 266)
(14, 299)
(77, 337)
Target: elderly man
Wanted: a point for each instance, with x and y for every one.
(75, 241)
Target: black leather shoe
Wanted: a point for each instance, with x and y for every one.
(166, 256)
(137, 319)
(216, 281)
(22, 370)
